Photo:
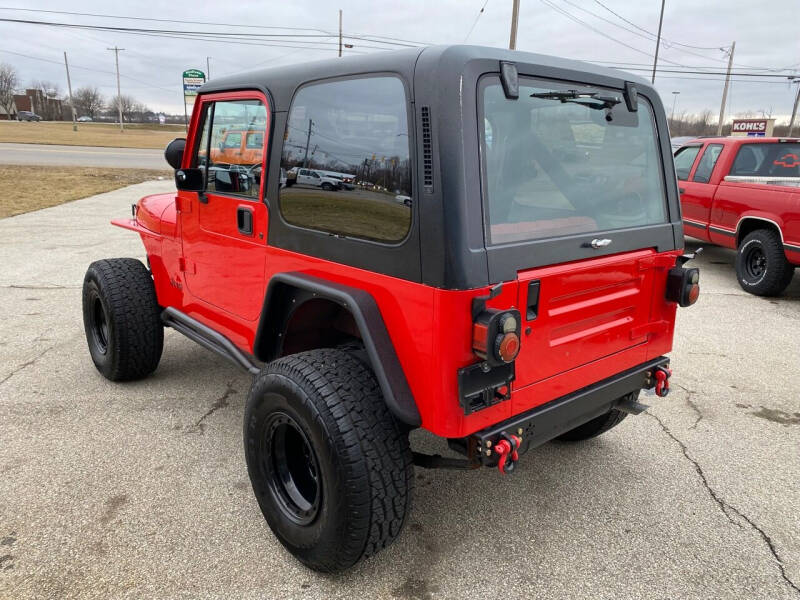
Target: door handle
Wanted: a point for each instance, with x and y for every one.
(244, 220)
(532, 310)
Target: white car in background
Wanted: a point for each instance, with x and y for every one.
(317, 179)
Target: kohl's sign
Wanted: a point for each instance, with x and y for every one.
(752, 127)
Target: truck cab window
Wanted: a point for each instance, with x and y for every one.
(706, 165)
(684, 160)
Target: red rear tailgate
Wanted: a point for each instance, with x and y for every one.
(584, 311)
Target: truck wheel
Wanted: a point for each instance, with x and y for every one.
(761, 265)
(121, 318)
(330, 467)
(327, 187)
(596, 426)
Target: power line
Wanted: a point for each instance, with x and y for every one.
(475, 22)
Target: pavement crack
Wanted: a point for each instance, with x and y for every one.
(41, 287)
(692, 405)
(221, 402)
(26, 364)
(727, 508)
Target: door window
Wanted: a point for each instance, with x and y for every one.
(706, 165)
(228, 170)
(359, 129)
(684, 159)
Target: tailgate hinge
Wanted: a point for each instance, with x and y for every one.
(659, 327)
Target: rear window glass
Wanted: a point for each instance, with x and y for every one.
(358, 129)
(705, 167)
(556, 166)
(767, 160)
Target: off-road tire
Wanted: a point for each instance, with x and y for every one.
(761, 265)
(121, 318)
(360, 454)
(596, 426)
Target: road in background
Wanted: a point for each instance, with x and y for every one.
(140, 489)
(81, 156)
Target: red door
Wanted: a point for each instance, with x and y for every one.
(224, 228)
(697, 194)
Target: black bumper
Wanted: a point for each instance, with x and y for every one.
(543, 423)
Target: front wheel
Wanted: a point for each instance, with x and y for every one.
(121, 318)
(330, 467)
(761, 265)
(327, 187)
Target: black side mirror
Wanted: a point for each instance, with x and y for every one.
(189, 180)
(174, 152)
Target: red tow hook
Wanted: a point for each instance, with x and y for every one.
(662, 381)
(507, 448)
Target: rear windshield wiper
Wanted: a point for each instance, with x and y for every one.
(596, 100)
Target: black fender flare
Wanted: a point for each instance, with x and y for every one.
(287, 291)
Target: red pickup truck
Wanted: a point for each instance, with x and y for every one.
(744, 193)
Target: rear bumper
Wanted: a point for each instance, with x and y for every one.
(543, 423)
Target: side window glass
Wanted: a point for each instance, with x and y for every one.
(201, 151)
(684, 160)
(230, 170)
(346, 154)
(706, 165)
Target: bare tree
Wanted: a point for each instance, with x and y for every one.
(88, 101)
(9, 80)
(128, 105)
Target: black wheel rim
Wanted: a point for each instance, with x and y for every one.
(292, 469)
(99, 325)
(755, 263)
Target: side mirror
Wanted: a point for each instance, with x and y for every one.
(174, 152)
(189, 180)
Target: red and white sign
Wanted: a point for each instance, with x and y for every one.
(757, 127)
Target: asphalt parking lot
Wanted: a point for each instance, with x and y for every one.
(140, 490)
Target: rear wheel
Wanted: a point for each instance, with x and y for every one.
(597, 425)
(761, 265)
(121, 319)
(330, 467)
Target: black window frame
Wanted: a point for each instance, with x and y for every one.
(699, 161)
(402, 259)
(525, 254)
(411, 157)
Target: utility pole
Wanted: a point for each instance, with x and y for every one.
(794, 110)
(512, 43)
(658, 41)
(119, 94)
(208, 68)
(308, 140)
(69, 87)
(340, 33)
(725, 91)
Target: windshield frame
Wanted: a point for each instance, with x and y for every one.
(545, 83)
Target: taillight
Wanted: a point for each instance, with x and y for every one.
(495, 336)
(683, 286)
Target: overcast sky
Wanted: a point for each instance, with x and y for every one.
(767, 35)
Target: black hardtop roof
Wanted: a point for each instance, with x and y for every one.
(281, 82)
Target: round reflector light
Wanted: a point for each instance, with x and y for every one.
(507, 347)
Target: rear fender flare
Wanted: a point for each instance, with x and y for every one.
(287, 291)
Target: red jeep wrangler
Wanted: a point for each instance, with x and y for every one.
(526, 290)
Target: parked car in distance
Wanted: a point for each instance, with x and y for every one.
(85, 119)
(26, 115)
(501, 295)
(677, 142)
(744, 193)
(345, 179)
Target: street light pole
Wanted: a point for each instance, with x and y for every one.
(340, 33)
(512, 43)
(674, 100)
(725, 91)
(208, 68)
(119, 93)
(69, 87)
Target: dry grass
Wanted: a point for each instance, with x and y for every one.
(90, 134)
(23, 188)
